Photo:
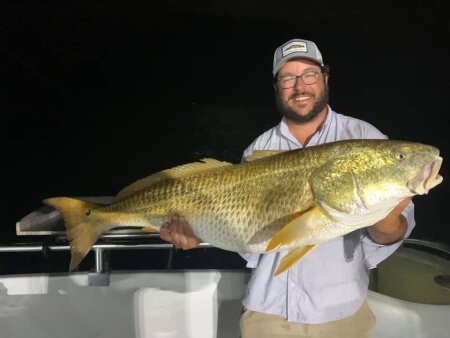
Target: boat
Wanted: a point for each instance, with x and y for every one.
(135, 285)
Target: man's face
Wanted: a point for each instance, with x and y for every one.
(302, 102)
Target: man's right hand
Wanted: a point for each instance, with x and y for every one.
(179, 232)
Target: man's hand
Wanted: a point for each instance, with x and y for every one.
(391, 228)
(179, 232)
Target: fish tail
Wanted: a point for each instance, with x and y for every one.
(82, 228)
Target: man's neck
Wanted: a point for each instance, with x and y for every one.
(303, 132)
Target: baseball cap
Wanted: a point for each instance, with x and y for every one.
(296, 49)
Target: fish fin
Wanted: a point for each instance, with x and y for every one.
(293, 257)
(297, 228)
(81, 230)
(150, 229)
(257, 154)
(173, 173)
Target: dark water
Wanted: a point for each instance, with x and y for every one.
(98, 94)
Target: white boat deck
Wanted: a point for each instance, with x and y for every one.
(200, 304)
(192, 303)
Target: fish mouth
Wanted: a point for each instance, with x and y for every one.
(427, 178)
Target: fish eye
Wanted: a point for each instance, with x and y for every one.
(400, 156)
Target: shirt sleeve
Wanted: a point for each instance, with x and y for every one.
(375, 253)
(249, 150)
(251, 258)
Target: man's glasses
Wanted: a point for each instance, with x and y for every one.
(308, 78)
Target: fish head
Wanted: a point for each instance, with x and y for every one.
(402, 169)
(374, 175)
(428, 177)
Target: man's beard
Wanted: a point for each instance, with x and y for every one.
(292, 115)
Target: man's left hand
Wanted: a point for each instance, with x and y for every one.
(391, 228)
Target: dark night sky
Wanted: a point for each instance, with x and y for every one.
(96, 94)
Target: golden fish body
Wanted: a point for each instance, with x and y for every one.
(290, 200)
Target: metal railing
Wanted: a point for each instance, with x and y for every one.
(100, 274)
(148, 246)
(101, 246)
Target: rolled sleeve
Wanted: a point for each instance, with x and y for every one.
(375, 253)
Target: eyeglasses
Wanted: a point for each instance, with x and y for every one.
(289, 81)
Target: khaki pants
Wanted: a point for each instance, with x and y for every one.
(260, 325)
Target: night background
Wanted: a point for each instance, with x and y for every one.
(97, 94)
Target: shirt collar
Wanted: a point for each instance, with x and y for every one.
(284, 130)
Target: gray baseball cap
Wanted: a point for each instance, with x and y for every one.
(296, 49)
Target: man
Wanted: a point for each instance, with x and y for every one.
(325, 294)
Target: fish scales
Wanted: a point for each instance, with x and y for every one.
(294, 198)
(238, 198)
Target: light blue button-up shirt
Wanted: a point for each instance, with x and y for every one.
(331, 282)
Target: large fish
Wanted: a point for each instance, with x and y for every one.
(291, 200)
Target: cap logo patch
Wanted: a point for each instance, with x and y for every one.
(296, 46)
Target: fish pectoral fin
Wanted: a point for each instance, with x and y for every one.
(298, 228)
(150, 229)
(293, 257)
